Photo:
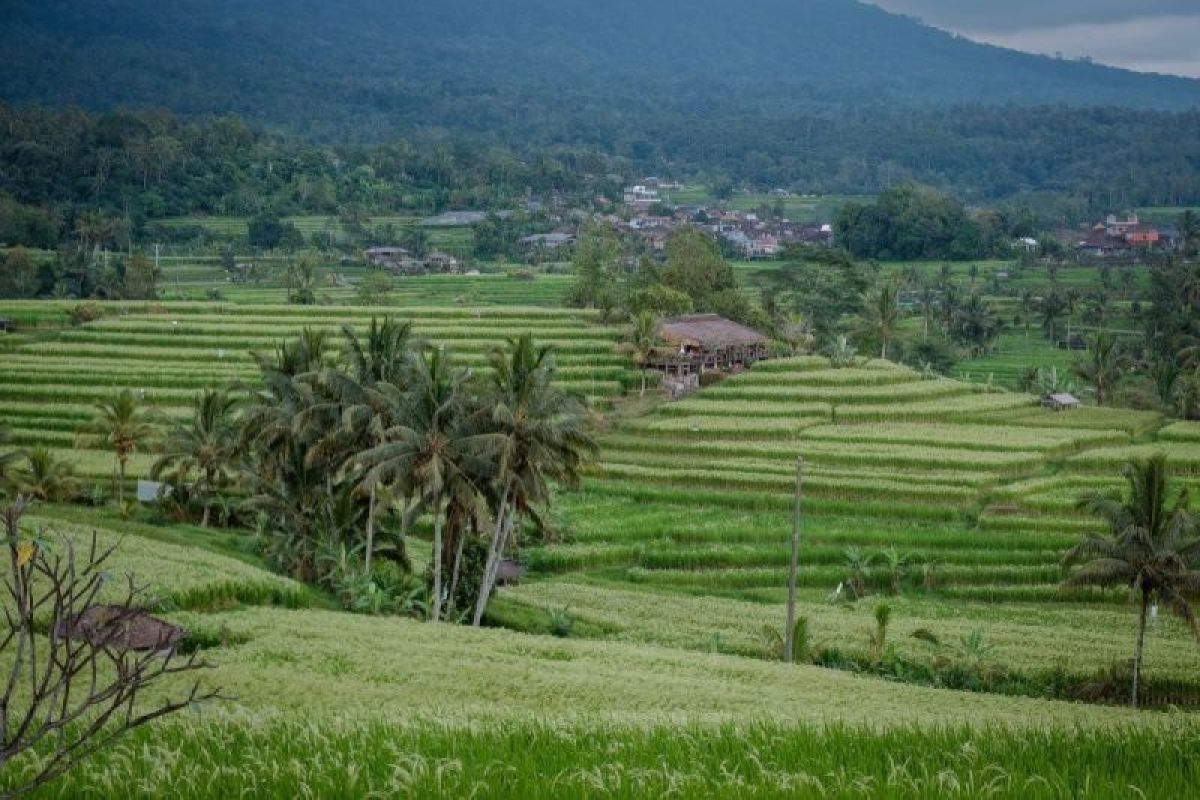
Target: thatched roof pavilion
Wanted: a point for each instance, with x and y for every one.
(700, 342)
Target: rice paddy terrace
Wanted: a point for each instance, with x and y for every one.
(168, 352)
(670, 563)
(962, 500)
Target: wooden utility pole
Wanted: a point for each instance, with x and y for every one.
(789, 634)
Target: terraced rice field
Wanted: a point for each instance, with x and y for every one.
(326, 704)
(169, 352)
(686, 517)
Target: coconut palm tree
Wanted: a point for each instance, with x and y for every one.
(643, 338)
(203, 447)
(881, 313)
(927, 298)
(382, 355)
(1103, 366)
(122, 425)
(1152, 546)
(432, 449)
(1052, 307)
(45, 477)
(545, 437)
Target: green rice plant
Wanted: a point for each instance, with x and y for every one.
(1181, 432)
(967, 437)
(842, 395)
(959, 408)
(1135, 423)
(850, 377)
(289, 755)
(1183, 457)
(705, 404)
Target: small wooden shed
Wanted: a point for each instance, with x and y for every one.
(1061, 402)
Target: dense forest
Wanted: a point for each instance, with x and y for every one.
(819, 96)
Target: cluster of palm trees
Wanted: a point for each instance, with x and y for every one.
(965, 318)
(338, 454)
(343, 459)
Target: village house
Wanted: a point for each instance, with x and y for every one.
(442, 263)
(385, 257)
(399, 261)
(548, 241)
(641, 197)
(1115, 236)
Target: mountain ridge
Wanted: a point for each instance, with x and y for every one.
(367, 67)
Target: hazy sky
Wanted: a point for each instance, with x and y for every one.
(1145, 35)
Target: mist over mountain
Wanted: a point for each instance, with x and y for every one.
(574, 71)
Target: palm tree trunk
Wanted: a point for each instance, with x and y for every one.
(1138, 649)
(455, 572)
(505, 537)
(493, 559)
(121, 480)
(370, 532)
(436, 606)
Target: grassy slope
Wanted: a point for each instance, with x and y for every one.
(333, 705)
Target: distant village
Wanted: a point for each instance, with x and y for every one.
(646, 215)
(1116, 236)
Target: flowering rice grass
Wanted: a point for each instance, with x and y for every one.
(286, 756)
(1082, 637)
(182, 577)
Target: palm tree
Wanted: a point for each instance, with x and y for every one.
(794, 329)
(1051, 308)
(1103, 367)
(643, 338)
(120, 425)
(545, 437)
(1029, 306)
(1152, 547)
(202, 447)
(45, 477)
(927, 298)
(382, 356)
(974, 323)
(881, 313)
(431, 449)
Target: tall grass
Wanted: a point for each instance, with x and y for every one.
(289, 757)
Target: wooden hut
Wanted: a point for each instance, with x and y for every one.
(699, 343)
(1061, 402)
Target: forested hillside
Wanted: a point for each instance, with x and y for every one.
(818, 95)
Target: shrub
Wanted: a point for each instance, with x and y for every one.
(85, 312)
